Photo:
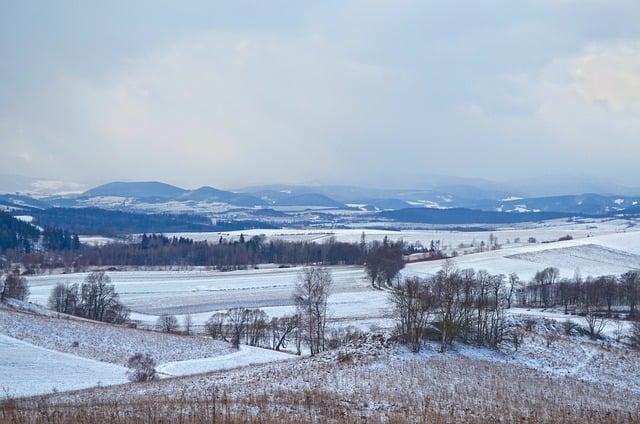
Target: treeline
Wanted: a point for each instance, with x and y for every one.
(607, 294)
(158, 250)
(54, 238)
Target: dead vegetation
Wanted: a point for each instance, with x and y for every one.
(370, 380)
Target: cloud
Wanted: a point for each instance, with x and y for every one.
(219, 107)
(609, 74)
(353, 92)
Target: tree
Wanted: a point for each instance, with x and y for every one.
(545, 280)
(64, 298)
(631, 286)
(142, 367)
(98, 300)
(413, 304)
(595, 324)
(237, 320)
(384, 261)
(215, 326)
(282, 329)
(311, 295)
(14, 287)
(167, 323)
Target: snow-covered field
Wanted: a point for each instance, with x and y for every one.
(610, 247)
(597, 248)
(44, 354)
(27, 370)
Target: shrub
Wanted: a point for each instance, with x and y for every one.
(142, 367)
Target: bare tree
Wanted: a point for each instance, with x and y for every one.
(237, 321)
(634, 336)
(595, 324)
(216, 327)
(14, 287)
(97, 296)
(167, 323)
(413, 304)
(545, 279)
(384, 261)
(142, 367)
(64, 298)
(282, 329)
(631, 284)
(311, 294)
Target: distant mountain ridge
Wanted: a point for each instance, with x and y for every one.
(319, 205)
(145, 189)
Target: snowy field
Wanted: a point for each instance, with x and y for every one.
(44, 348)
(45, 354)
(597, 248)
(27, 370)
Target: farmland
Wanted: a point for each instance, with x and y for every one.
(551, 376)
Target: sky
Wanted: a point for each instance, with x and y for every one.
(355, 92)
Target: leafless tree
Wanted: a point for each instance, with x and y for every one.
(237, 320)
(282, 329)
(513, 285)
(631, 283)
(167, 323)
(414, 304)
(634, 336)
(97, 296)
(64, 298)
(216, 326)
(595, 324)
(14, 287)
(256, 327)
(311, 295)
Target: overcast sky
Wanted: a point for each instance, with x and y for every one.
(375, 92)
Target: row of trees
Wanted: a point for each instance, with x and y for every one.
(452, 304)
(62, 249)
(94, 299)
(253, 327)
(308, 325)
(606, 293)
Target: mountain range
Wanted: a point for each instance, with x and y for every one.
(280, 205)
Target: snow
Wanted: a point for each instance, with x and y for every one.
(24, 218)
(246, 355)
(47, 350)
(27, 370)
(598, 247)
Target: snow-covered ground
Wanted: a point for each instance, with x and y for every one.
(44, 354)
(27, 370)
(597, 248)
(610, 247)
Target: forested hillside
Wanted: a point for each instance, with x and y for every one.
(16, 234)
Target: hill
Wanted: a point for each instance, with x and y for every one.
(149, 189)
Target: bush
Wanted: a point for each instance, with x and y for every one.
(142, 367)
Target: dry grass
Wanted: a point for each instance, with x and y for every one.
(374, 381)
(399, 389)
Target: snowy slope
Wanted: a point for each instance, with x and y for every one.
(27, 370)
